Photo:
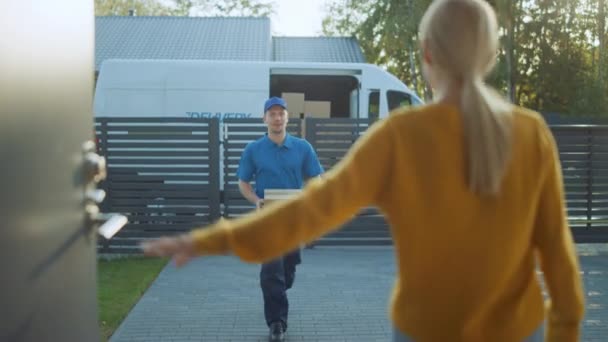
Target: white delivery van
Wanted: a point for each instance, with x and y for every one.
(238, 89)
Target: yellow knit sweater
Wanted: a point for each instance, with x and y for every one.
(466, 264)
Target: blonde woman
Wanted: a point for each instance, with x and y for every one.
(471, 187)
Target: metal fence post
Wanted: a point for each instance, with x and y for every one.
(309, 131)
(589, 177)
(214, 169)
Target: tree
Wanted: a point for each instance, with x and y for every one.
(245, 8)
(387, 31)
(552, 58)
(140, 7)
(509, 17)
(257, 8)
(601, 33)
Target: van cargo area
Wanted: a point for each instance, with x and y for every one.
(322, 93)
(201, 89)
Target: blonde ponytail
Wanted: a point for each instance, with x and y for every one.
(488, 136)
(462, 38)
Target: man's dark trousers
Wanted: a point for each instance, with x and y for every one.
(276, 277)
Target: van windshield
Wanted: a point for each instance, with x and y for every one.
(396, 99)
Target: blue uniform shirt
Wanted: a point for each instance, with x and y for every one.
(275, 166)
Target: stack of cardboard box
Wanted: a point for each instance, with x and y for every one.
(298, 106)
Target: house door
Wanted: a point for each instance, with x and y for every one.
(47, 241)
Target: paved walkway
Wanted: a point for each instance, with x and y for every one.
(218, 299)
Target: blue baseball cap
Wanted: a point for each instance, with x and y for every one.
(274, 101)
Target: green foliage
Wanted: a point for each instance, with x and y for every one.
(256, 8)
(552, 54)
(122, 7)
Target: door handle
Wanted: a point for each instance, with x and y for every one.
(107, 224)
(93, 172)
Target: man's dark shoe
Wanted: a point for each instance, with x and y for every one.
(277, 332)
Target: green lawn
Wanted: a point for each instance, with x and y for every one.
(120, 284)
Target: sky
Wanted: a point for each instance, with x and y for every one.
(298, 17)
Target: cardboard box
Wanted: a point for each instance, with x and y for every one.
(274, 195)
(295, 103)
(317, 109)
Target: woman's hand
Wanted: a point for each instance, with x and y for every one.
(180, 248)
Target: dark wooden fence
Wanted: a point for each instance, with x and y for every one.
(583, 153)
(331, 139)
(584, 157)
(164, 174)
